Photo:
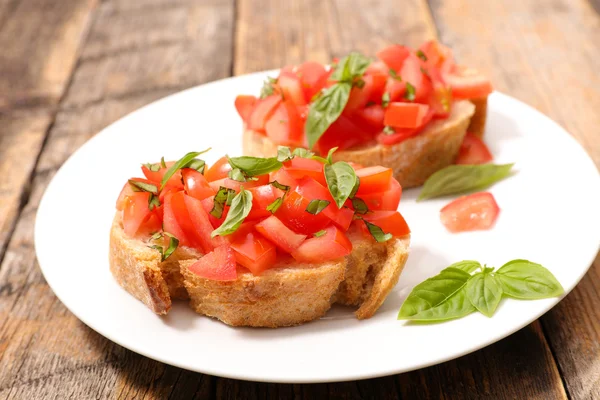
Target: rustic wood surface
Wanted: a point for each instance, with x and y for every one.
(69, 68)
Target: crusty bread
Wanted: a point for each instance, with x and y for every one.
(413, 160)
(477, 125)
(288, 294)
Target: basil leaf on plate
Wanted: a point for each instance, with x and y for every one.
(183, 162)
(378, 234)
(341, 181)
(484, 292)
(524, 279)
(325, 110)
(254, 166)
(240, 208)
(316, 206)
(463, 178)
(469, 266)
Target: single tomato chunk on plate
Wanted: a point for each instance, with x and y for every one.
(331, 245)
(282, 236)
(477, 211)
(218, 265)
(473, 151)
(254, 252)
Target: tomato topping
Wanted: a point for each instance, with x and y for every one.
(393, 56)
(171, 222)
(202, 226)
(293, 214)
(468, 83)
(401, 134)
(330, 246)
(208, 205)
(372, 115)
(195, 184)
(477, 211)
(156, 176)
(284, 177)
(292, 88)
(411, 72)
(389, 221)
(138, 220)
(254, 252)
(236, 185)
(387, 200)
(282, 236)
(473, 151)
(244, 105)
(313, 77)
(299, 167)
(371, 90)
(435, 53)
(128, 191)
(263, 110)
(374, 179)
(285, 125)
(344, 133)
(313, 190)
(405, 115)
(218, 170)
(218, 265)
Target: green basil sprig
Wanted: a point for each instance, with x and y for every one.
(240, 208)
(341, 181)
(467, 286)
(183, 162)
(254, 166)
(456, 179)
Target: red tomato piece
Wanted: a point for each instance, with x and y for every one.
(405, 115)
(473, 151)
(284, 177)
(387, 200)
(377, 67)
(218, 265)
(332, 245)
(285, 125)
(374, 179)
(136, 212)
(394, 56)
(299, 167)
(401, 134)
(372, 115)
(171, 222)
(436, 53)
(440, 99)
(344, 133)
(254, 252)
(156, 176)
(293, 214)
(282, 236)
(291, 86)
(396, 89)
(218, 170)
(128, 191)
(372, 90)
(313, 190)
(264, 195)
(389, 221)
(236, 185)
(411, 72)
(263, 110)
(202, 226)
(477, 211)
(195, 184)
(313, 77)
(244, 104)
(176, 205)
(468, 83)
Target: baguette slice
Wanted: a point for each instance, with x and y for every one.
(288, 294)
(477, 125)
(413, 160)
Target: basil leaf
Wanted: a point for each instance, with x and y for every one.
(524, 279)
(341, 181)
(410, 92)
(196, 164)
(240, 208)
(463, 178)
(173, 244)
(254, 166)
(469, 266)
(359, 205)
(284, 154)
(303, 153)
(237, 175)
(325, 110)
(267, 88)
(152, 167)
(377, 232)
(143, 187)
(388, 130)
(484, 292)
(156, 236)
(438, 298)
(316, 206)
(274, 206)
(223, 197)
(394, 75)
(153, 202)
(350, 67)
(163, 163)
(421, 55)
(385, 100)
(279, 186)
(320, 233)
(330, 155)
(181, 163)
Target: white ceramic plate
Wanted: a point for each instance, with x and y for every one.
(549, 214)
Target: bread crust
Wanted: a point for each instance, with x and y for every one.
(477, 124)
(413, 160)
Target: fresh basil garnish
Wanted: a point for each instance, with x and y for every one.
(303, 153)
(268, 87)
(254, 166)
(173, 244)
(197, 164)
(388, 130)
(320, 233)
(463, 178)
(467, 286)
(421, 55)
(143, 187)
(237, 175)
(341, 181)
(274, 206)
(163, 163)
(278, 185)
(410, 92)
(316, 206)
(240, 208)
(153, 202)
(394, 75)
(156, 236)
(385, 100)
(152, 167)
(351, 67)
(284, 154)
(223, 198)
(183, 162)
(359, 205)
(378, 234)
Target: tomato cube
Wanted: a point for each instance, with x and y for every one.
(218, 265)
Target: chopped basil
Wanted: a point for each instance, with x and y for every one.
(152, 167)
(173, 244)
(183, 162)
(388, 130)
(410, 92)
(143, 187)
(341, 181)
(223, 198)
(377, 232)
(156, 236)
(320, 233)
(274, 206)
(360, 207)
(426, 73)
(360, 83)
(278, 185)
(254, 166)
(316, 206)
(163, 163)
(350, 68)
(284, 154)
(421, 55)
(395, 76)
(370, 103)
(303, 153)
(237, 175)
(153, 201)
(240, 208)
(196, 164)
(267, 88)
(385, 99)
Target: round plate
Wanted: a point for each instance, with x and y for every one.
(549, 215)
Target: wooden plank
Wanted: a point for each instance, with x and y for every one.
(548, 55)
(39, 41)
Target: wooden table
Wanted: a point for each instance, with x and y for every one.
(68, 68)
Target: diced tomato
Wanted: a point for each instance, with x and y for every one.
(138, 220)
(282, 236)
(263, 196)
(208, 205)
(218, 265)
(285, 125)
(473, 151)
(128, 191)
(202, 226)
(372, 90)
(284, 177)
(387, 200)
(393, 56)
(344, 133)
(263, 110)
(292, 89)
(171, 222)
(411, 72)
(313, 77)
(389, 221)
(293, 214)
(236, 185)
(468, 83)
(195, 184)
(477, 211)
(440, 99)
(244, 104)
(254, 252)
(405, 115)
(332, 245)
(313, 190)
(372, 115)
(401, 134)
(396, 89)
(156, 176)
(299, 167)
(436, 53)
(218, 170)
(374, 179)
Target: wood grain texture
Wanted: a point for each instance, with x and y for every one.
(546, 53)
(39, 41)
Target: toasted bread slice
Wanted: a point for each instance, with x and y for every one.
(288, 294)
(477, 125)
(413, 160)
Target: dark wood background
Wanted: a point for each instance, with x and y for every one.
(68, 68)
